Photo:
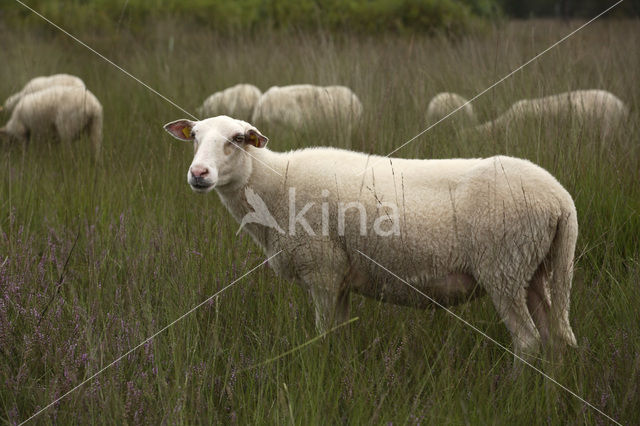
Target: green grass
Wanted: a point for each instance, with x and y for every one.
(149, 249)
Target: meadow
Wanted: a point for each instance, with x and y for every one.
(94, 258)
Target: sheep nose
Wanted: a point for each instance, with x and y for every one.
(199, 171)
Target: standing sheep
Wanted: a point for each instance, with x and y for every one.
(444, 103)
(590, 107)
(451, 228)
(304, 105)
(237, 101)
(65, 111)
(40, 83)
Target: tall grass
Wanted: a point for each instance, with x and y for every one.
(148, 249)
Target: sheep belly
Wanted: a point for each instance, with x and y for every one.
(448, 290)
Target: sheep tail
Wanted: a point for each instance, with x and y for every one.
(561, 263)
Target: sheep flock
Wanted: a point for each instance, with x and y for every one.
(463, 232)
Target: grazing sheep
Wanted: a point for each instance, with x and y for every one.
(444, 103)
(63, 111)
(304, 105)
(452, 228)
(591, 107)
(237, 101)
(40, 83)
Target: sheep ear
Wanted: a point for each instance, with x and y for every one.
(255, 138)
(180, 129)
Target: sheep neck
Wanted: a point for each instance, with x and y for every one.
(267, 176)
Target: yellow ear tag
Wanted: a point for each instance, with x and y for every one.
(254, 139)
(186, 132)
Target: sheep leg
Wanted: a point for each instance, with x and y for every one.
(513, 311)
(538, 304)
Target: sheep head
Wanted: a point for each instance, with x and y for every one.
(6, 136)
(222, 147)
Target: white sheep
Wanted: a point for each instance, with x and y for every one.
(64, 111)
(597, 108)
(39, 83)
(443, 104)
(452, 228)
(301, 106)
(237, 101)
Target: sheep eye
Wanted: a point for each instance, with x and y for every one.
(238, 138)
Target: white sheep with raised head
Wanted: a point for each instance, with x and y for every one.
(39, 83)
(236, 101)
(597, 109)
(454, 228)
(303, 106)
(445, 103)
(65, 112)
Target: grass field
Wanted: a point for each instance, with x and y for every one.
(149, 249)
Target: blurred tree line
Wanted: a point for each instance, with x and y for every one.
(567, 9)
(358, 16)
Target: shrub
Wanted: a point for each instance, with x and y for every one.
(361, 16)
